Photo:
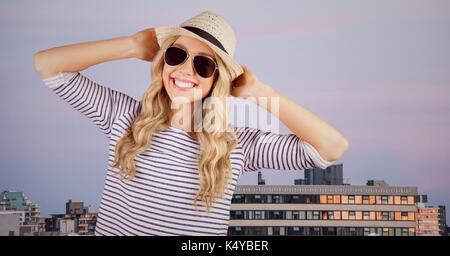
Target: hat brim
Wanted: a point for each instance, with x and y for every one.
(162, 33)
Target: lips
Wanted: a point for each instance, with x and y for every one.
(182, 84)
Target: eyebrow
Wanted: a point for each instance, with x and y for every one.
(185, 48)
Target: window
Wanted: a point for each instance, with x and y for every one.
(314, 231)
(411, 216)
(328, 215)
(237, 199)
(351, 215)
(336, 199)
(258, 199)
(337, 215)
(385, 216)
(366, 231)
(358, 215)
(365, 199)
(275, 215)
(405, 232)
(295, 199)
(351, 199)
(309, 215)
(277, 199)
(289, 215)
(329, 199)
(366, 215)
(384, 199)
(302, 215)
(296, 231)
(404, 199)
(404, 215)
(258, 215)
(329, 231)
(295, 215)
(238, 215)
(276, 231)
(344, 199)
(316, 215)
(345, 215)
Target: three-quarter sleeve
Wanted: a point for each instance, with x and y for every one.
(97, 102)
(263, 149)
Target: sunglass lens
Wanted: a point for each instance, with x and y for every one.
(174, 56)
(204, 66)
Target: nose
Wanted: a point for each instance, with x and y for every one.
(187, 67)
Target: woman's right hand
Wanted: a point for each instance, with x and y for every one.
(145, 44)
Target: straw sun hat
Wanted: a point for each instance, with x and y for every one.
(211, 29)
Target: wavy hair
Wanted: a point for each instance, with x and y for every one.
(216, 139)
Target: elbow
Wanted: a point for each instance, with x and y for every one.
(40, 66)
(337, 151)
(341, 148)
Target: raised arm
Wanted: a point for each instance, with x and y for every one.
(329, 142)
(60, 68)
(77, 57)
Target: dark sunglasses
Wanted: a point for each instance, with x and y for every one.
(205, 66)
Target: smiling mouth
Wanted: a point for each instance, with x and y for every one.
(181, 85)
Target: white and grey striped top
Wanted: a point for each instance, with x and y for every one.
(159, 200)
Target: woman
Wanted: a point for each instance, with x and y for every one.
(174, 163)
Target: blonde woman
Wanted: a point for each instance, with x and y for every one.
(169, 171)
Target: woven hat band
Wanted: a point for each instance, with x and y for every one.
(205, 35)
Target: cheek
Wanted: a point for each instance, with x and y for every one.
(165, 75)
(207, 85)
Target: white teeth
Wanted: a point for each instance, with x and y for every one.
(183, 84)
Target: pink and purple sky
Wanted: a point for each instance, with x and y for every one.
(378, 71)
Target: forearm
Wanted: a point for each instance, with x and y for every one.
(80, 56)
(329, 142)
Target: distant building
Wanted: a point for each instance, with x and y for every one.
(261, 181)
(76, 220)
(30, 220)
(331, 210)
(442, 220)
(17, 201)
(66, 226)
(9, 223)
(76, 208)
(427, 220)
(332, 175)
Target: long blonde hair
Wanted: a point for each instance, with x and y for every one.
(216, 142)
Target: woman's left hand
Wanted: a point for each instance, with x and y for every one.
(246, 85)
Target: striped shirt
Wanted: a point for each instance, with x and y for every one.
(159, 199)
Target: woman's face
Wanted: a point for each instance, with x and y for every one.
(173, 75)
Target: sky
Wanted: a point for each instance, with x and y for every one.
(377, 71)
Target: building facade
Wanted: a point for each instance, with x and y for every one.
(77, 220)
(315, 210)
(427, 220)
(19, 202)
